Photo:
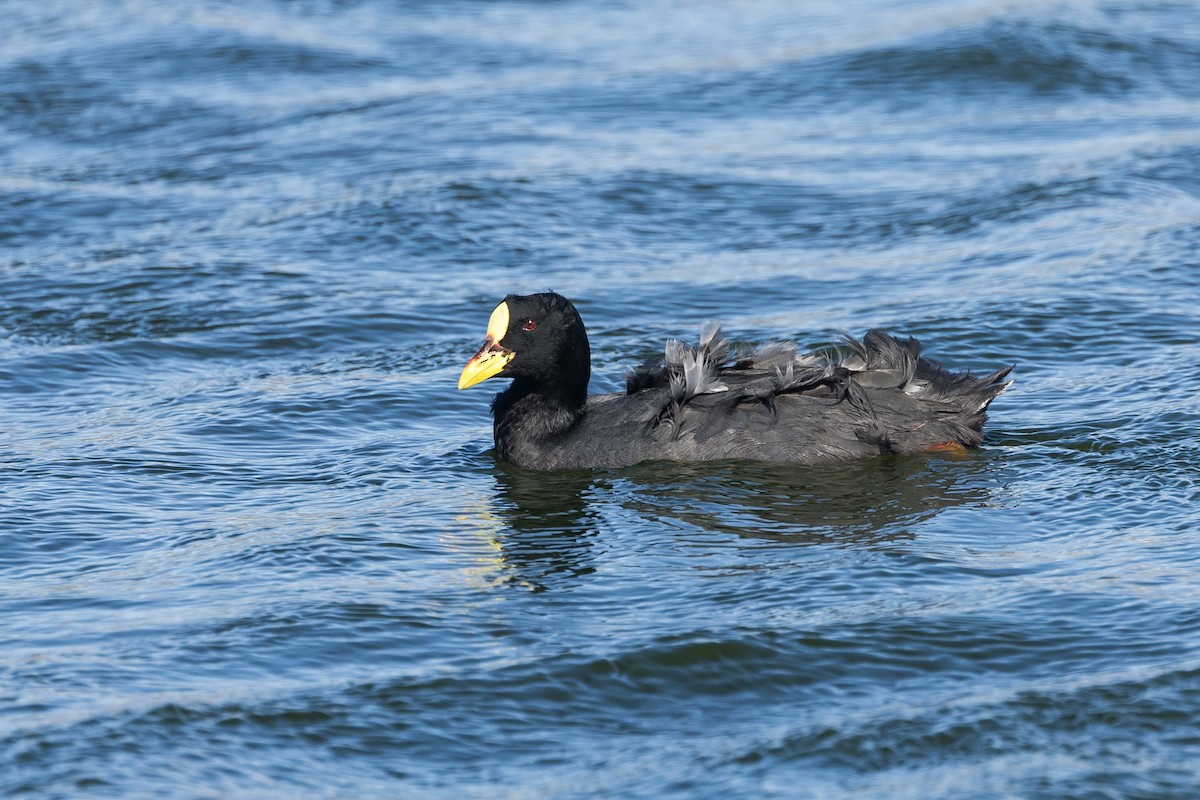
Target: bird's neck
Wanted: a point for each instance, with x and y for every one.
(529, 413)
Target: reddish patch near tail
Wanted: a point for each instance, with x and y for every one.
(948, 448)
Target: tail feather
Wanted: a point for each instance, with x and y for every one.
(907, 402)
(882, 361)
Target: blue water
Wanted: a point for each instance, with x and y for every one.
(253, 542)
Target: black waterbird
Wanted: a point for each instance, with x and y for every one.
(879, 395)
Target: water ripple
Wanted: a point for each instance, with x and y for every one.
(254, 542)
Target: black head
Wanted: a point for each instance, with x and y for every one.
(537, 339)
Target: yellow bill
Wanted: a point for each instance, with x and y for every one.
(493, 356)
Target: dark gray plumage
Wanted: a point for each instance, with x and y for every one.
(708, 402)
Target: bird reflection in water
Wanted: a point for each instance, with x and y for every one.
(868, 502)
(551, 522)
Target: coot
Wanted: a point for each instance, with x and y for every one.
(872, 396)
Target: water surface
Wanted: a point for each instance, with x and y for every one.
(253, 543)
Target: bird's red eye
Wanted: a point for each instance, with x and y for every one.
(529, 325)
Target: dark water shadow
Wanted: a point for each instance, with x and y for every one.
(550, 524)
(876, 500)
(552, 520)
